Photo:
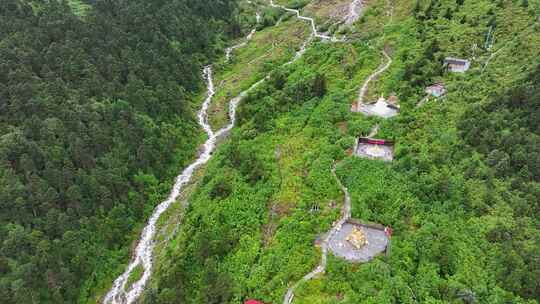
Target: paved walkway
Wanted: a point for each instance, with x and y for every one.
(341, 228)
(310, 20)
(375, 74)
(345, 216)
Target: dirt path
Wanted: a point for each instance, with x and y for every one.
(321, 268)
(229, 50)
(375, 74)
(315, 33)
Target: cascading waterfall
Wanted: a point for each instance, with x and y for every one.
(355, 8)
(144, 251)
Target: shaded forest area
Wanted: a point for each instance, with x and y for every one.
(95, 112)
(506, 132)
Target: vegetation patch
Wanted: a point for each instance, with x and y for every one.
(94, 129)
(79, 7)
(449, 240)
(96, 120)
(269, 48)
(135, 275)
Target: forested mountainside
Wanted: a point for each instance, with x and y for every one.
(98, 103)
(506, 133)
(461, 194)
(96, 117)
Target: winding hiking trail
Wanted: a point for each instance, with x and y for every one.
(347, 205)
(143, 255)
(375, 74)
(229, 50)
(314, 31)
(345, 216)
(374, 131)
(321, 268)
(346, 210)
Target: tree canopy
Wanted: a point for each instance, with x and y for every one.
(95, 111)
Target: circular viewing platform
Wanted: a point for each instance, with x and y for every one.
(358, 243)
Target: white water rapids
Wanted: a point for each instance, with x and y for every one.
(143, 253)
(355, 9)
(144, 250)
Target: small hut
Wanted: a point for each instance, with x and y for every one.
(393, 102)
(457, 65)
(436, 90)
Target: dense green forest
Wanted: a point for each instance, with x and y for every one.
(462, 194)
(96, 117)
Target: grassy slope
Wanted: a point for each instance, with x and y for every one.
(386, 195)
(262, 226)
(270, 47)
